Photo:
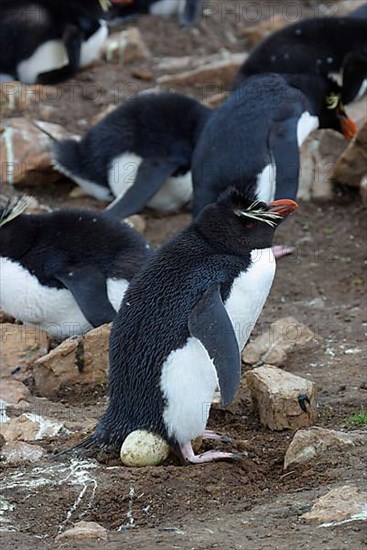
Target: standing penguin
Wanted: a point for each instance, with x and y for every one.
(45, 41)
(188, 10)
(65, 272)
(183, 322)
(334, 48)
(139, 153)
(252, 140)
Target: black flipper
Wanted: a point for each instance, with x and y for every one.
(191, 12)
(151, 175)
(209, 322)
(88, 286)
(284, 147)
(72, 39)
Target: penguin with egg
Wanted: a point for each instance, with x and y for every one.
(65, 271)
(182, 324)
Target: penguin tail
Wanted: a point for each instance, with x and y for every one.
(14, 207)
(87, 446)
(66, 157)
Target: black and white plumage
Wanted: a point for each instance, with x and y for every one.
(66, 271)
(187, 10)
(183, 322)
(252, 140)
(45, 42)
(334, 48)
(140, 153)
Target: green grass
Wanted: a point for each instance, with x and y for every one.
(358, 419)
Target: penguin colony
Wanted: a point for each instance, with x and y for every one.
(183, 314)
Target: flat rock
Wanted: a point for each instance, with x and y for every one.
(312, 443)
(126, 46)
(277, 397)
(15, 96)
(77, 361)
(351, 166)
(15, 452)
(26, 152)
(273, 346)
(339, 505)
(20, 347)
(319, 154)
(137, 222)
(106, 111)
(213, 75)
(29, 427)
(14, 393)
(84, 530)
(256, 33)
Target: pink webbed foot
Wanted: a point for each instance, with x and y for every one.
(208, 456)
(280, 250)
(210, 434)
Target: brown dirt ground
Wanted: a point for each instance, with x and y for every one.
(251, 504)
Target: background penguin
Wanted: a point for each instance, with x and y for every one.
(183, 322)
(66, 271)
(252, 140)
(45, 41)
(188, 10)
(139, 153)
(335, 48)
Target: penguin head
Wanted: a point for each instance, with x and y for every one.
(334, 116)
(240, 223)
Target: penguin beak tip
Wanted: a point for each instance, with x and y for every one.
(348, 127)
(283, 207)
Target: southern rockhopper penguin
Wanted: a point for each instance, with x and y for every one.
(334, 48)
(252, 140)
(67, 271)
(183, 323)
(140, 153)
(46, 41)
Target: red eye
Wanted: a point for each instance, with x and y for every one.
(249, 225)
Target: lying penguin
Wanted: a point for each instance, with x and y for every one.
(188, 10)
(139, 153)
(183, 323)
(335, 48)
(66, 272)
(46, 42)
(252, 140)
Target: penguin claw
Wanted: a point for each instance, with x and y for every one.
(209, 434)
(189, 457)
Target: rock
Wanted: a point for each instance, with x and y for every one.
(84, 530)
(20, 347)
(78, 360)
(351, 166)
(339, 505)
(5, 318)
(26, 152)
(15, 96)
(363, 190)
(255, 33)
(273, 346)
(29, 427)
(137, 222)
(312, 443)
(78, 193)
(143, 448)
(15, 452)
(319, 154)
(213, 76)
(216, 99)
(143, 74)
(278, 397)
(126, 46)
(14, 393)
(106, 111)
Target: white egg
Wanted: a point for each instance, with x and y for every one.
(143, 448)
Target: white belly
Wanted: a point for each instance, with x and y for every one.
(49, 56)
(94, 189)
(174, 193)
(266, 181)
(167, 7)
(306, 124)
(189, 378)
(91, 49)
(53, 310)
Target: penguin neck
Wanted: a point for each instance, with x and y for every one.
(314, 87)
(17, 237)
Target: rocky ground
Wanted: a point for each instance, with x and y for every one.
(316, 496)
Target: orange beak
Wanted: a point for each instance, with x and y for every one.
(348, 126)
(283, 207)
